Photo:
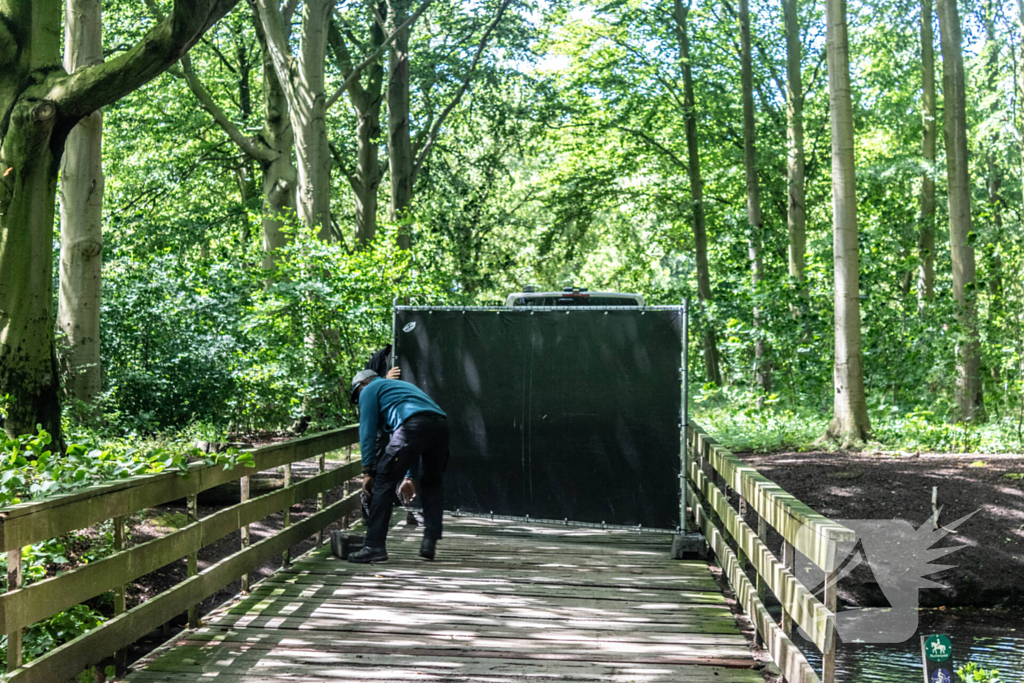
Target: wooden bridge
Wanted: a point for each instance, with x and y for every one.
(505, 601)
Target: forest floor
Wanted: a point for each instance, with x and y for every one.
(987, 572)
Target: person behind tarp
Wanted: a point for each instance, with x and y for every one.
(418, 428)
(380, 362)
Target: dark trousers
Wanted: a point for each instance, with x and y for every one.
(426, 435)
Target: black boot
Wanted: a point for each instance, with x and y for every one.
(366, 555)
(428, 548)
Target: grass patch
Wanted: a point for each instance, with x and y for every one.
(169, 520)
(732, 417)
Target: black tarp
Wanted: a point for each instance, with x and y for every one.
(554, 414)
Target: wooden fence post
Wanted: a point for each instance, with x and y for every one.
(828, 658)
(15, 579)
(120, 593)
(286, 556)
(740, 554)
(244, 495)
(789, 562)
(321, 468)
(193, 558)
(345, 521)
(762, 587)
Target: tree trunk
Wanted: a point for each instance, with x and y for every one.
(1020, 22)
(366, 182)
(969, 395)
(796, 216)
(43, 104)
(309, 119)
(280, 177)
(81, 215)
(400, 153)
(762, 366)
(926, 239)
(700, 238)
(28, 368)
(850, 423)
(366, 101)
(994, 179)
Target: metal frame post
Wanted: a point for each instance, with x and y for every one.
(684, 413)
(394, 331)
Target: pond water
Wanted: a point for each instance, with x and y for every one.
(991, 639)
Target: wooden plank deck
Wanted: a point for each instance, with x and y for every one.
(503, 602)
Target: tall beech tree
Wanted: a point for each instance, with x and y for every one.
(406, 156)
(796, 212)
(272, 148)
(81, 214)
(850, 424)
(43, 104)
(302, 80)
(969, 397)
(926, 238)
(700, 236)
(993, 167)
(366, 97)
(755, 220)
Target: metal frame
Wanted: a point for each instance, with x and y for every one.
(684, 376)
(530, 309)
(562, 522)
(684, 417)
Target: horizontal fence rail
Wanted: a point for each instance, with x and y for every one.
(801, 528)
(34, 521)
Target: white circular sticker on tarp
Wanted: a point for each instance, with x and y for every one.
(409, 328)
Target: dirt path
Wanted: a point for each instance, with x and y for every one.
(988, 571)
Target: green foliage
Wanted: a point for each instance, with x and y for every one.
(564, 163)
(324, 313)
(733, 418)
(972, 673)
(45, 635)
(30, 470)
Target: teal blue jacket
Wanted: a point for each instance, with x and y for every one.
(386, 404)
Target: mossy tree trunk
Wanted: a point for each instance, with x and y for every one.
(366, 100)
(401, 159)
(302, 81)
(45, 103)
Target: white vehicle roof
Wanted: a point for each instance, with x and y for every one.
(574, 296)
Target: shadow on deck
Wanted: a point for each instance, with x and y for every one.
(503, 602)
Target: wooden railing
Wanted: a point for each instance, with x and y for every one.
(801, 529)
(32, 522)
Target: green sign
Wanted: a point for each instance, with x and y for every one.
(938, 648)
(937, 653)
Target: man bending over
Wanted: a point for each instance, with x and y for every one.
(416, 427)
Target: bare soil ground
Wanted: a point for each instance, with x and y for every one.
(988, 571)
